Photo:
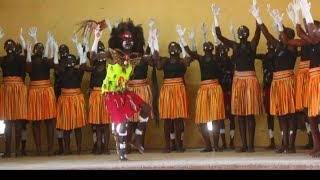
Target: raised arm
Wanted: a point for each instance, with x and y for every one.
(1, 36)
(160, 62)
(255, 11)
(93, 53)
(153, 44)
(204, 30)
(293, 13)
(256, 38)
(233, 33)
(23, 42)
(227, 42)
(33, 34)
(194, 54)
(185, 60)
(256, 14)
(152, 52)
(304, 36)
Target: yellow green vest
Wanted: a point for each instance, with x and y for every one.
(116, 78)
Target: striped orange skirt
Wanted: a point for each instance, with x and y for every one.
(314, 92)
(209, 102)
(71, 111)
(302, 82)
(142, 89)
(41, 101)
(13, 99)
(282, 93)
(173, 99)
(98, 113)
(246, 98)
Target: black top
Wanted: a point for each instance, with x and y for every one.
(284, 59)
(268, 68)
(57, 84)
(40, 71)
(209, 68)
(98, 74)
(315, 56)
(13, 66)
(140, 71)
(305, 52)
(244, 57)
(227, 68)
(174, 70)
(58, 79)
(71, 78)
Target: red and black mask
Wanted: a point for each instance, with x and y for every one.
(10, 46)
(174, 48)
(38, 49)
(243, 32)
(208, 47)
(127, 41)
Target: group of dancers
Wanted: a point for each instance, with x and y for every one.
(120, 96)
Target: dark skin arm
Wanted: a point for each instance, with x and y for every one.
(86, 68)
(292, 42)
(304, 36)
(186, 61)
(314, 31)
(160, 62)
(151, 58)
(256, 38)
(227, 42)
(269, 37)
(82, 69)
(216, 52)
(193, 54)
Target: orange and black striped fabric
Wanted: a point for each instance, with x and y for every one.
(71, 111)
(41, 101)
(209, 102)
(142, 89)
(173, 99)
(302, 85)
(314, 92)
(282, 93)
(13, 99)
(98, 113)
(246, 97)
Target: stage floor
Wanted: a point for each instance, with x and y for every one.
(156, 160)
